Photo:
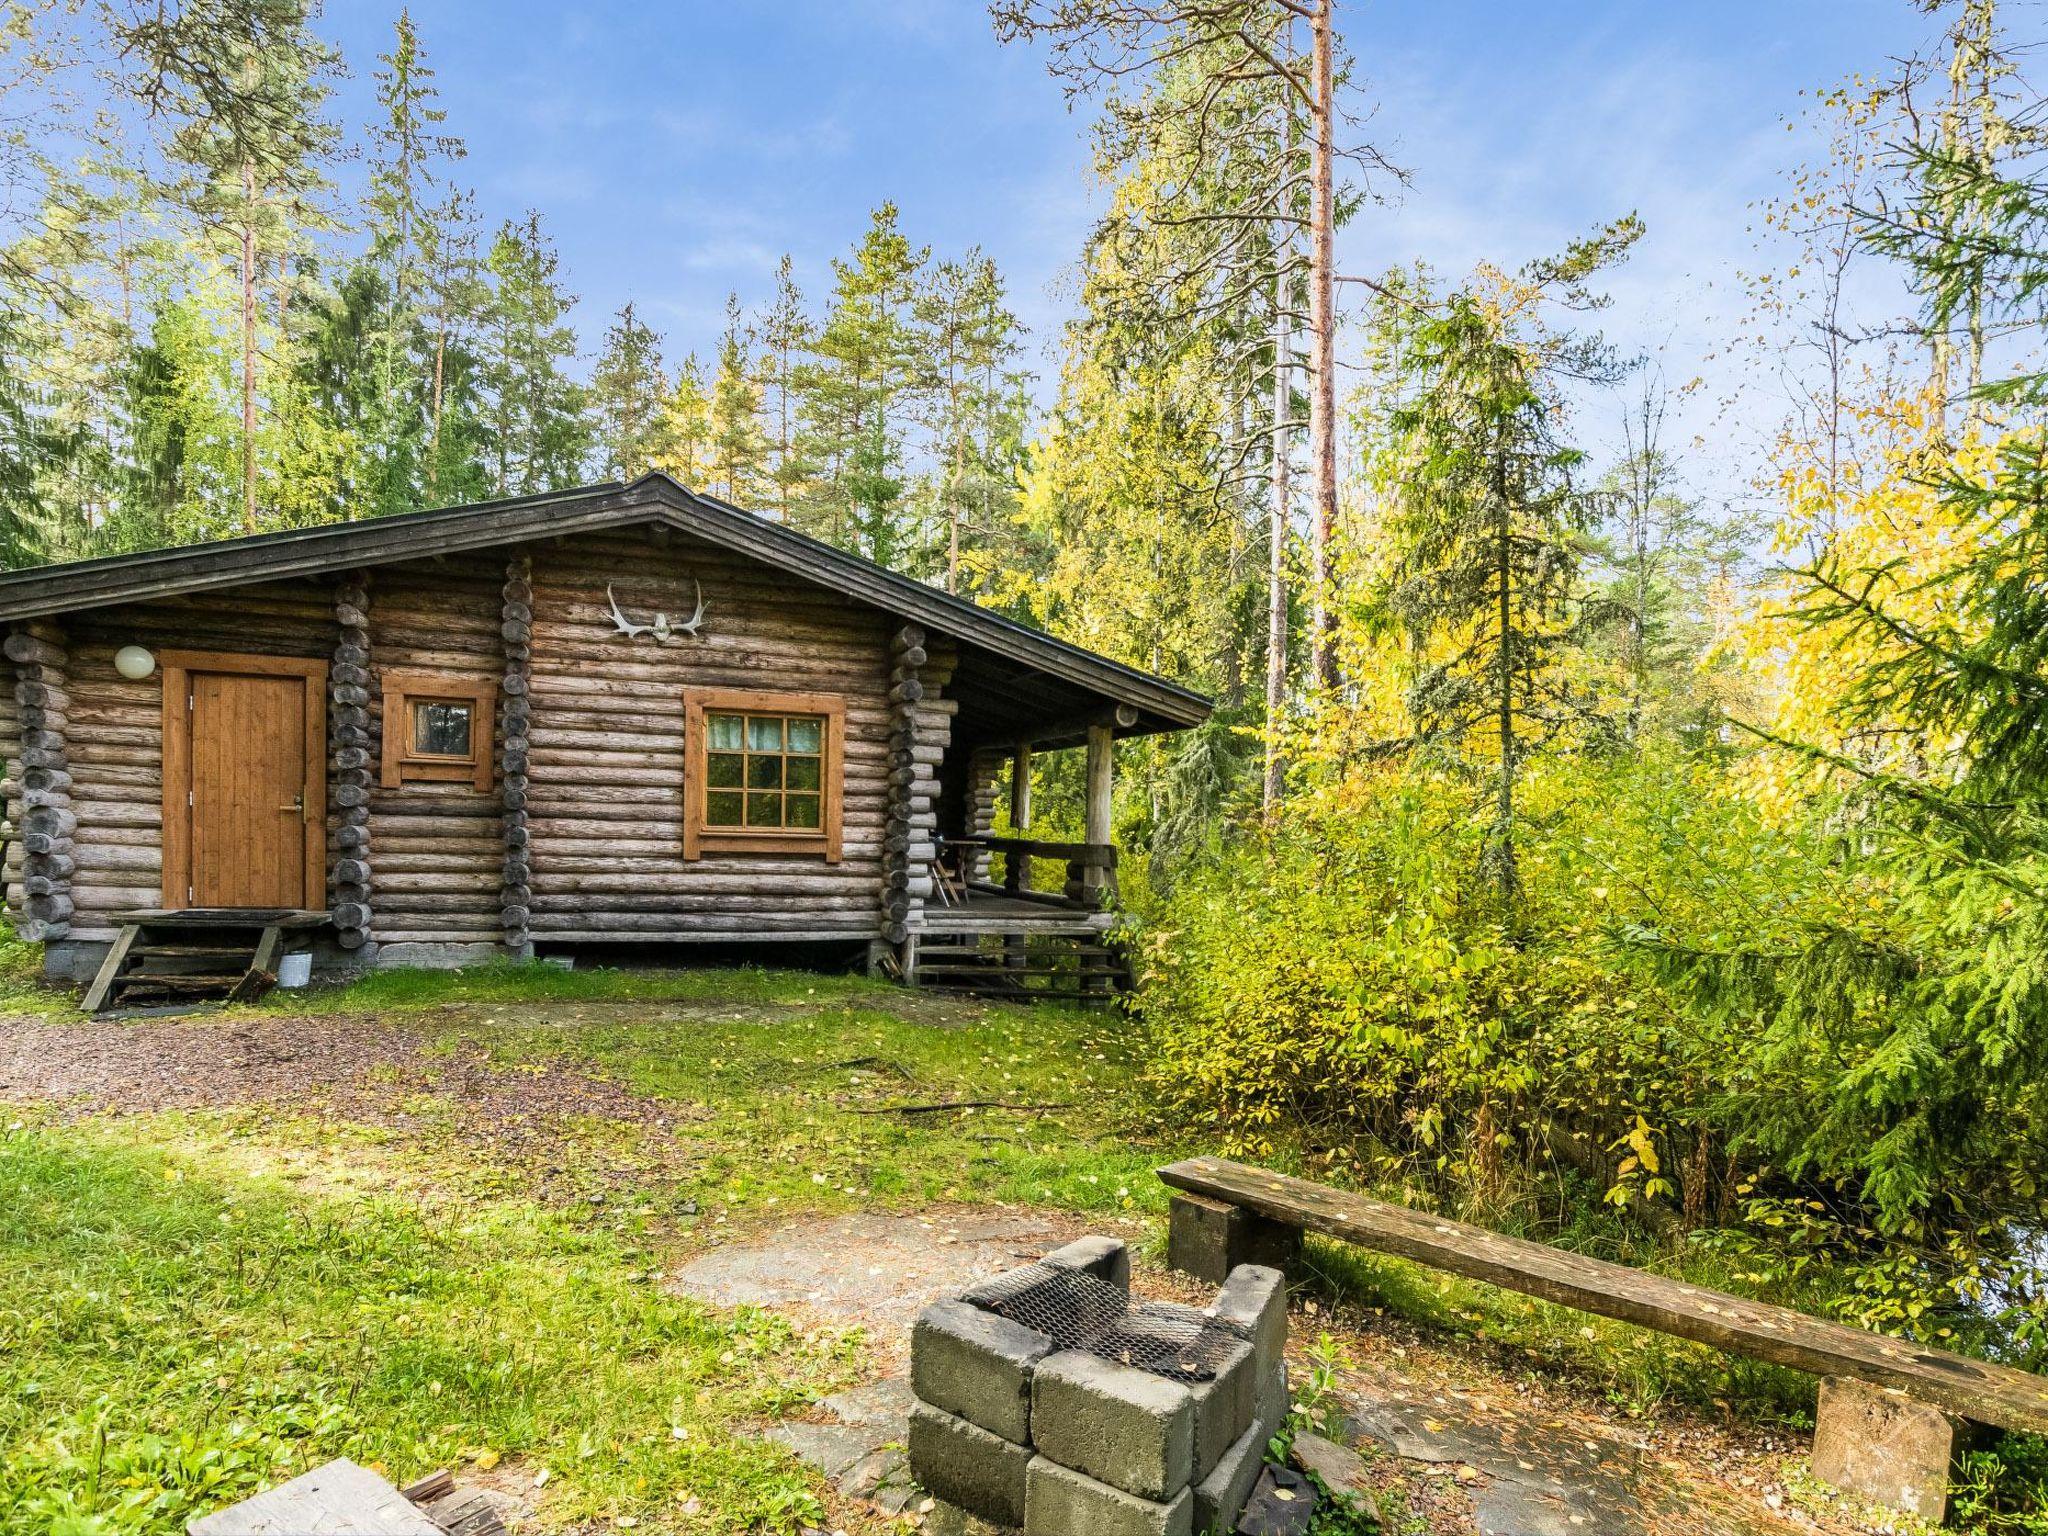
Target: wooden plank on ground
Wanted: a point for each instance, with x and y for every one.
(262, 973)
(339, 1499)
(1973, 1389)
(117, 956)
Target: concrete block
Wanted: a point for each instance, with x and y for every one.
(1886, 1447)
(976, 1366)
(1219, 1497)
(963, 1464)
(1223, 1407)
(1120, 1425)
(1059, 1501)
(1252, 1304)
(1271, 1401)
(1106, 1258)
(1208, 1239)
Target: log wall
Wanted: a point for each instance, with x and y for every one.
(437, 851)
(605, 765)
(10, 759)
(591, 747)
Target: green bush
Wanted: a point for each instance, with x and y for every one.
(1677, 1022)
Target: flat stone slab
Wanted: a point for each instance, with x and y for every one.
(338, 1499)
(1528, 1476)
(879, 1271)
(858, 1444)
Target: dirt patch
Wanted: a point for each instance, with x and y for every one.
(535, 1116)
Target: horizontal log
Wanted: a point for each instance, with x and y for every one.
(1975, 1389)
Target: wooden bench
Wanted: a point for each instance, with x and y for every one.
(1893, 1415)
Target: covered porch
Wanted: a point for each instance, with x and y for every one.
(1016, 916)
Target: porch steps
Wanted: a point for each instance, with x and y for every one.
(175, 958)
(1025, 966)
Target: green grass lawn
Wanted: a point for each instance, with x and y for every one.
(203, 1303)
(198, 1304)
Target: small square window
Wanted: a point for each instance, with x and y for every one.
(723, 808)
(726, 733)
(764, 733)
(806, 734)
(437, 729)
(724, 770)
(441, 727)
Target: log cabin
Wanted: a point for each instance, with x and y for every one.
(628, 714)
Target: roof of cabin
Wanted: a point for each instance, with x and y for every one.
(1013, 682)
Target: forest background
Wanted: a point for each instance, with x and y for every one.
(1660, 872)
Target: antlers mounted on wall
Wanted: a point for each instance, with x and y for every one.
(662, 628)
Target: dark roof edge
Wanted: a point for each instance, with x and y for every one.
(71, 587)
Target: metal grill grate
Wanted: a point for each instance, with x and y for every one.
(1078, 1311)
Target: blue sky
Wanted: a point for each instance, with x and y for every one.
(677, 150)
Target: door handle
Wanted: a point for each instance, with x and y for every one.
(298, 804)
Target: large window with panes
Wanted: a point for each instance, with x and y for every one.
(762, 772)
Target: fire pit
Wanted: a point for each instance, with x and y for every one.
(1048, 1399)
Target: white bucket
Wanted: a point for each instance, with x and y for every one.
(295, 969)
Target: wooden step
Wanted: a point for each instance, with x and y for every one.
(155, 981)
(138, 964)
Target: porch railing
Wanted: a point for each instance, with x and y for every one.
(1090, 883)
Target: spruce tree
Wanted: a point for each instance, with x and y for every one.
(1491, 528)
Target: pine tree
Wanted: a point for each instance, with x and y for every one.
(627, 390)
(456, 293)
(851, 391)
(739, 449)
(686, 428)
(408, 254)
(784, 332)
(965, 339)
(244, 83)
(534, 417)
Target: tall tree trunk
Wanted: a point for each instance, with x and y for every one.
(1503, 839)
(1279, 520)
(1322, 413)
(248, 347)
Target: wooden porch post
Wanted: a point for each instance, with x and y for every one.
(1020, 787)
(1101, 750)
(1014, 877)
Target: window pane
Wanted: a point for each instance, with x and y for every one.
(764, 810)
(806, 734)
(764, 733)
(726, 733)
(440, 727)
(803, 811)
(722, 808)
(764, 773)
(802, 773)
(722, 770)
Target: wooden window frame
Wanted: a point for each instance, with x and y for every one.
(176, 669)
(699, 839)
(402, 765)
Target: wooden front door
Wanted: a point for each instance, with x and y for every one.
(244, 784)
